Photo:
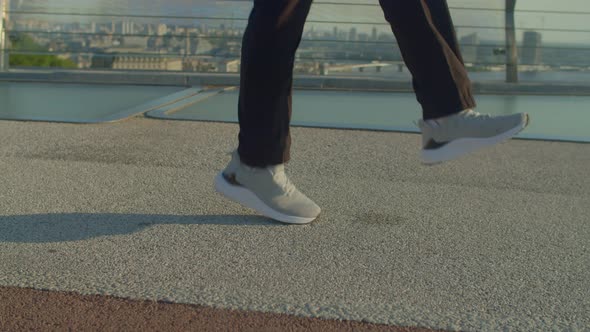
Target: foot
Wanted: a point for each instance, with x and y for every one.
(458, 134)
(266, 190)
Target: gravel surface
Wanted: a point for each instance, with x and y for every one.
(497, 240)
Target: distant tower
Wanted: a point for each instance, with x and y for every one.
(188, 43)
(531, 52)
(162, 29)
(374, 34)
(127, 28)
(469, 45)
(335, 33)
(352, 34)
(4, 8)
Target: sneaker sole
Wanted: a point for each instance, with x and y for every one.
(463, 146)
(247, 198)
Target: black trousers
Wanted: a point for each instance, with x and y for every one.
(426, 37)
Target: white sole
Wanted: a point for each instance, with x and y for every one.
(249, 199)
(463, 146)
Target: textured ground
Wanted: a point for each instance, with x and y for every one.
(497, 240)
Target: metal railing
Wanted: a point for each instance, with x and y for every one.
(3, 34)
(320, 53)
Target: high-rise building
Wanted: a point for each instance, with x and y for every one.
(188, 45)
(128, 28)
(162, 29)
(204, 29)
(335, 33)
(352, 34)
(469, 45)
(531, 51)
(374, 34)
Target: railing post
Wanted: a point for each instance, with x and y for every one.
(3, 35)
(511, 49)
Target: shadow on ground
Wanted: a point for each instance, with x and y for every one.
(60, 227)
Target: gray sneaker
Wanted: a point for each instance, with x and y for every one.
(458, 134)
(266, 190)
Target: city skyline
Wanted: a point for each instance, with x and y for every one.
(464, 19)
(133, 37)
(214, 45)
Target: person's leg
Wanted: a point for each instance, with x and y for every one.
(426, 37)
(255, 176)
(268, 54)
(427, 40)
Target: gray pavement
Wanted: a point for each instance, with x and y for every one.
(499, 240)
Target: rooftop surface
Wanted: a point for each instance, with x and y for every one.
(497, 240)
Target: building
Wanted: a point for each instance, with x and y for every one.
(162, 29)
(126, 62)
(188, 47)
(531, 50)
(204, 29)
(352, 35)
(128, 28)
(469, 45)
(135, 42)
(233, 66)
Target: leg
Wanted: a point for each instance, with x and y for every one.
(268, 54)
(255, 176)
(426, 36)
(450, 129)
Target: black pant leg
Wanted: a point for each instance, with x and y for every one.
(426, 36)
(268, 54)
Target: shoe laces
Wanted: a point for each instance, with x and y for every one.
(473, 115)
(281, 178)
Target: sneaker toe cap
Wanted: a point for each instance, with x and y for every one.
(301, 206)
